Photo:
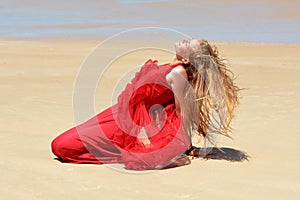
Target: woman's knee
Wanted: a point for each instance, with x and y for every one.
(62, 142)
(56, 146)
(67, 145)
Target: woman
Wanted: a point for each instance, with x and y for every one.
(158, 113)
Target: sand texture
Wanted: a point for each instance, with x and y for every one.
(37, 78)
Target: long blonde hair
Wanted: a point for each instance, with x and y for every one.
(211, 96)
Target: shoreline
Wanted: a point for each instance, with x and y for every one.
(102, 38)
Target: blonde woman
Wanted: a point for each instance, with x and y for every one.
(158, 113)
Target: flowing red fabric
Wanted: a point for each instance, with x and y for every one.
(112, 136)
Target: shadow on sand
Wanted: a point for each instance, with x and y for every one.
(222, 153)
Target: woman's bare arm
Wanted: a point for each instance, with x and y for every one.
(177, 79)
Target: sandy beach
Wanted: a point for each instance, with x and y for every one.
(37, 79)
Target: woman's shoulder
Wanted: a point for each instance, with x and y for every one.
(177, 71)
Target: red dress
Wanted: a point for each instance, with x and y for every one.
(112, 136)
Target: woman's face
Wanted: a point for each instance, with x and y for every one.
(184, 48)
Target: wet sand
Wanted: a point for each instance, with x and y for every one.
(227, 20)
(37, 78)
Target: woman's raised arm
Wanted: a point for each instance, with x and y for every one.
(177, 79)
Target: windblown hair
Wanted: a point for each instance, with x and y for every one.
(212, 96)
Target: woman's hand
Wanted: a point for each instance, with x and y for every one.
(143, 138)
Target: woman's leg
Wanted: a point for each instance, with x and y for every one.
(68, 147)
(89, 142)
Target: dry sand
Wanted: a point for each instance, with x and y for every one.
(36, 87)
